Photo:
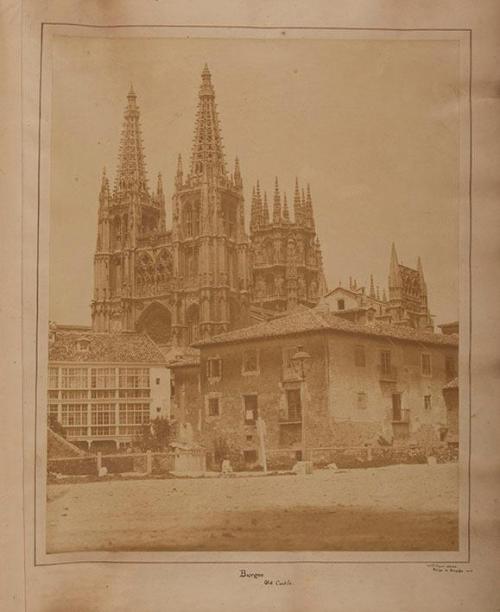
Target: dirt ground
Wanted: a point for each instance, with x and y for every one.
(396, 508)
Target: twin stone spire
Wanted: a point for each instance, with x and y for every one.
(207, 159)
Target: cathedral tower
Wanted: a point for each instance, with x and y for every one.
(127, 215)
(287, 266)
(208, 232)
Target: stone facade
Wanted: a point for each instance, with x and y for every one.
(202, 276)
(366, 385)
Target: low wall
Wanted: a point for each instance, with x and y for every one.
(180, 460)
(363, 456)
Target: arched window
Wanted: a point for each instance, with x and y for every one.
(189, 220)
(118, 229)
(269, 251)
(270, 286)
(192, 323)
(196, 220)
(156, 322)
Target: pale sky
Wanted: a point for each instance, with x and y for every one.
(373, 126)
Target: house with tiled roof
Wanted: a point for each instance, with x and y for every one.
(104, 388)
(358, 384)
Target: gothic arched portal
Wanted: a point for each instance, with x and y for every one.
(156, 321)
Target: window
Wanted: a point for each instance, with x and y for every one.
(133, 378)
(74, 419)
(213, 406)
(214, 368)
(250, 456)
(189, 221)
(251, 410)
(359, 356)
(53, 378)
(427, 402)
(74, 378)
(362, 401)
(426, 364)
(288, 353)
(294, 405)
(77, 394)
(340, 305)
(397, 413)
(136, 393)
(102, 378)
(450, 367)
(133, 414)
(157, 381)
(82, 345)
(385, 362)
(102, 393)
(250, 361)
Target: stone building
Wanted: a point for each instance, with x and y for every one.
(204, 275)
(104, 387)
(367, 384)
(405, 303)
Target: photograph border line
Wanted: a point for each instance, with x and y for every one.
(469, 331)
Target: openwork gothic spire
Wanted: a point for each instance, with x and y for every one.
(208, 151)
(131, 175)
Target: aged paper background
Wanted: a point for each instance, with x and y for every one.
(214, 586)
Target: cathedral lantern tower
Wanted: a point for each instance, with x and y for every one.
(208, 234)
(287, 266)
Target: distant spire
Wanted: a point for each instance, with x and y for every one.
(265, 211)
(372, 287)
(394, 274)
(297, 207)
(276, 202)
(104, 194)
(286, 213)
(384, 296)
(258, 205)
(419, 267)
(378, 293)
(309, 213)
(253, 211)
(159, 184)
(237, 174)
(208, 150)
(420, 270)
(131, 172)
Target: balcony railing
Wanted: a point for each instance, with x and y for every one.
(388, 373)
(402, 417)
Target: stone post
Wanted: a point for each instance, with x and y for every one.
(149, 462)
(99, 462)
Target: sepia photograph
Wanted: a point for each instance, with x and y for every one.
(255, 249)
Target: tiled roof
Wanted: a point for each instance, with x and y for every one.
(453, 384)
(177, 356)
(310, 320)
(124, 347)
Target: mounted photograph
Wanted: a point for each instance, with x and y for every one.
(253, 316)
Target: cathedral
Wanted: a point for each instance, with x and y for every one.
(206, 274)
